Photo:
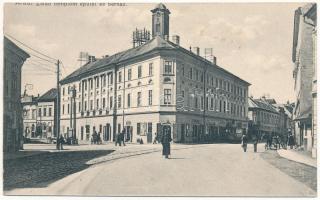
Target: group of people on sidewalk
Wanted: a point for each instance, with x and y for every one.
(120, 138)
(271, 140)
(96, 138)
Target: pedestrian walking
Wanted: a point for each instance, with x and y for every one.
(244, 142)
(291, 141)
(165, 141)
(255, 143)
(60, 142)
(122, 137)
(269, 141)
(99, 138)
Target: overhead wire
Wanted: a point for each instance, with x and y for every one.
(30, 47)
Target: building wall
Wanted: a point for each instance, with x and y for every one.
(303, 74)
(29, 120)
(12, 108)
(165, 85)
(46, 119)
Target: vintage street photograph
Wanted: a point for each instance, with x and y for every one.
(160, 99)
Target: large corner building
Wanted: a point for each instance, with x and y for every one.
(155, 85)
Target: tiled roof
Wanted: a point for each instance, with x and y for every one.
(156, 43)
(261, 104)
(50, 95)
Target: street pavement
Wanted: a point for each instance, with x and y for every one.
(193, 170)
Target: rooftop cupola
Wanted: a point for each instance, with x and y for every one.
(160, 21)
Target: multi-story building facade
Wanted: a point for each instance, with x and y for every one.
(14, 57)
(46, 114)
(311, 18)
(39, 115)
(157, 84)
(264, 119)
(303, 56)
(29, 104)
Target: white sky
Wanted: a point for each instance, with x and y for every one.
(253, 41)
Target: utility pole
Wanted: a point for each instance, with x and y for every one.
(74, 136)
(58, 106)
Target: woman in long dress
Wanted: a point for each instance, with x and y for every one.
(165, 141)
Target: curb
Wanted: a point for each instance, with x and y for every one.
(295, 160)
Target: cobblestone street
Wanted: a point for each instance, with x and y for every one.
(206, 170)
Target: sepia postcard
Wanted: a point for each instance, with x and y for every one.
(160, 99)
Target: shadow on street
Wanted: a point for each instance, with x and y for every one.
(42, 169)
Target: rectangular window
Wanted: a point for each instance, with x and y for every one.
(44, 112)
(138, 128)
(63, 91)
(120, 77)
(207, 103)
(129, 74)
(201, 77)
(111, 102)
(196, 102)
(182, 70)
(129, 100)
(103, 102)
(39, 112)
(224, 106)
(139, 71)
(97, 82)
(220, 110)
(197, 75)
(68, 111)
(79, 106)
(50, 112)
(202, 103)
(150, 127)
(91, 84)
(97, 104)
(111, 79)
(85, 105)
(190, 73)
(150, 98)
(104, 80)
(211, 104)
(150, 69)
(168, 67)
(119, 101)
(91, 105)
(167, 96)
(139, 99)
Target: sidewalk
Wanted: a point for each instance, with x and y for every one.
(298, 157)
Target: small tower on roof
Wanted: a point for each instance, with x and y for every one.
(160, 21)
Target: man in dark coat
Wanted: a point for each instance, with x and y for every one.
(122, 137)
(165, 141)
(244, 142)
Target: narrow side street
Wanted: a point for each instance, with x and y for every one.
(192, 170)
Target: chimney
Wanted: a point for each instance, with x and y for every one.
(196, 50)
(214, 60)
(166, 37)
(176, 39)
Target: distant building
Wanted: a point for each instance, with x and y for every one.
(30, 105)
(14, 57)
(156, 85)
(39, 115)
(303, 56)
(264, 119)
(46, 113)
